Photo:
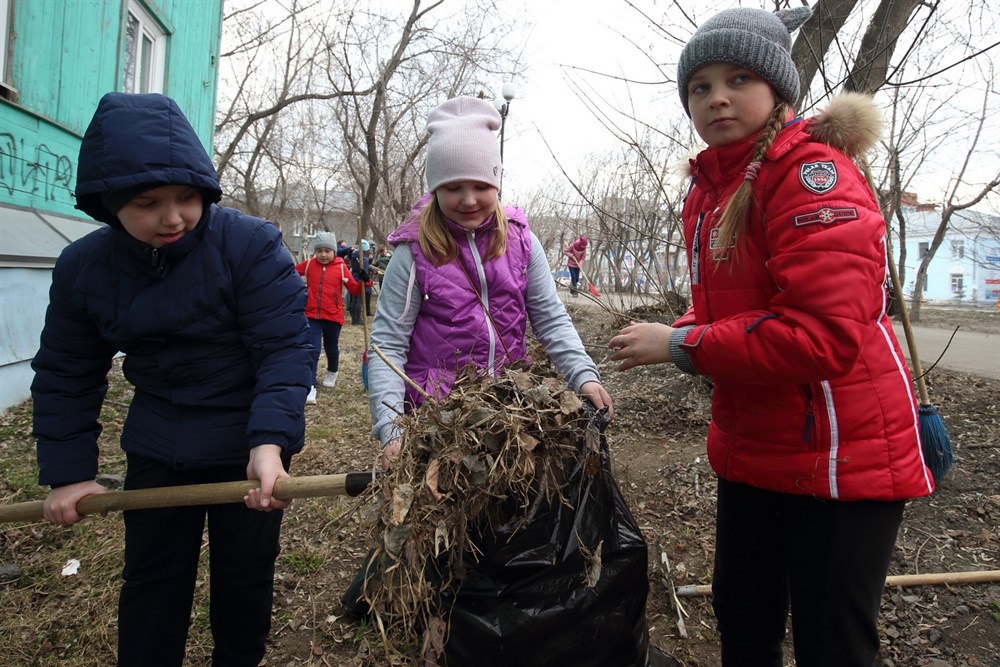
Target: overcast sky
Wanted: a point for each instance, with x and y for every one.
(569, 40)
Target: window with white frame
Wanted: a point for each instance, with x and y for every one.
(4, 41)
(957, 282)
(922, 249)
(145, 51)
(958, 249)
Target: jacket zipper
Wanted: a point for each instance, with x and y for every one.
(807, 435)
(484, 295)
(319, 293)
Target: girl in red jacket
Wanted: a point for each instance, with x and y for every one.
(576, 253)
(814, 432)
(326, 276)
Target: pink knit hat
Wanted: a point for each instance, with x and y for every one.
(463, 144)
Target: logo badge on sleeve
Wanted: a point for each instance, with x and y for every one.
(826, 216)
(818, 177)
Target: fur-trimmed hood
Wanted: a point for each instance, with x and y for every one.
(850, 123)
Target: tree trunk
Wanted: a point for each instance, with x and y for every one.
(871, 66)
(814, 40)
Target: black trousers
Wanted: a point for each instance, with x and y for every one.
(574, 278)
(162, 548)
(325, 334)
(826, 560)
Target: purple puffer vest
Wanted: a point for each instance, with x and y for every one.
(452, 330)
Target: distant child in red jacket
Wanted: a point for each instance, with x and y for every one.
(577, 254)
(814, 433)
(326, 275)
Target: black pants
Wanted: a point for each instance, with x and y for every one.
(827, 560)
(162, 548)
(354, 308)
(574, 278)
(325, 334)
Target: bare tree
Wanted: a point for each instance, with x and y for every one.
(338, 94)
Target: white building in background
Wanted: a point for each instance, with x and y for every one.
(965, 269)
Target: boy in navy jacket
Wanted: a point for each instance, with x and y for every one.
(206, 306)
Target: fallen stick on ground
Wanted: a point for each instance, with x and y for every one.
(344, 484)
(929, 579)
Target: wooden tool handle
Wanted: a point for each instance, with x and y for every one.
(344, 484)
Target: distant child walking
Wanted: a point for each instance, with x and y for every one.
(814, 424)
(326, 275)
(205, 305)
(576, 254)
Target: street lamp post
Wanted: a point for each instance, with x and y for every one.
(502, 105)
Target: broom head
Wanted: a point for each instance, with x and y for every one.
(934, 440)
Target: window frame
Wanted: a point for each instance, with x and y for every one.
(155, 61)
(7, 89)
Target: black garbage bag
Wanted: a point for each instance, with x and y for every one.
(566, 587)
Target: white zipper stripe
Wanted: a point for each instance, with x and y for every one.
(901, 369)
(481, 274)
(831, 413)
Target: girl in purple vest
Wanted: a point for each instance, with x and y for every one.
(459, 253)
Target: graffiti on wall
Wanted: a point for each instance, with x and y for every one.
(34, 173)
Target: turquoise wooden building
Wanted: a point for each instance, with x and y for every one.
(57, 58)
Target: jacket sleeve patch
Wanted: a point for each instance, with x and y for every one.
(825, 216)
(818, 177)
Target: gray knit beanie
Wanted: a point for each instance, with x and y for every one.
(326, 240)
(751, 38)
(463, 144)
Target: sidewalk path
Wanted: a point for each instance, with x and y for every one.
(969, 352)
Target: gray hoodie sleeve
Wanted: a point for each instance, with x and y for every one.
(391, 331)
(552, 325)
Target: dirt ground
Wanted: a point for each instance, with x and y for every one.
(657, 442)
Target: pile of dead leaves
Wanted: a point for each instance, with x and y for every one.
(490, 453)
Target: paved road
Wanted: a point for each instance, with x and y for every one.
(969, 352)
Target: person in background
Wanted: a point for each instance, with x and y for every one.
(360, 263)
(326, 276)
(205, 305)
(814, 431)
(380, 263)
(576, 254)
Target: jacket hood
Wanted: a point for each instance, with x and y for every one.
(139, 140)
(850, 123)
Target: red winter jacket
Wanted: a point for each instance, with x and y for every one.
(576, 252)
(325, 288)
(812, 395)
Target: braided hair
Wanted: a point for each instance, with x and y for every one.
(734, 216)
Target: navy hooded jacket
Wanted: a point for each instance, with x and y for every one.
(212, 326)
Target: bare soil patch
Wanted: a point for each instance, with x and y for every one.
(657, 442)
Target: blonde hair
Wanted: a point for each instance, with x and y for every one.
(437, 243)
(734, 216)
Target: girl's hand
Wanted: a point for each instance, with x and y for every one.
(641, 344)
(390, 452)
(598, 395)
(60, 505)
(265, 465)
